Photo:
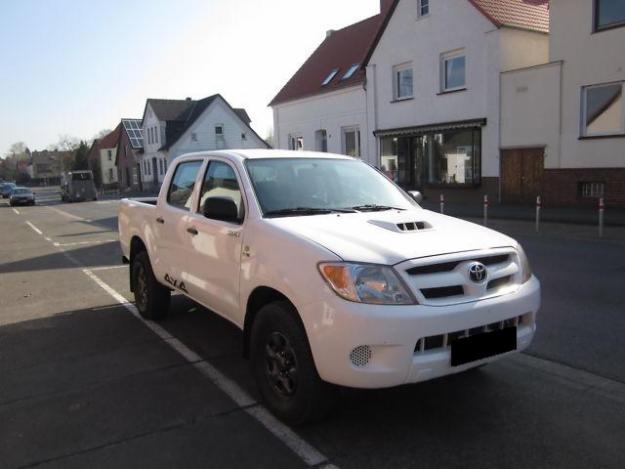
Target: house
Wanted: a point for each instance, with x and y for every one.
(425, 103)
(128, 153)
(563, 121)
(47, 165)
(102, 156)
(175, 127)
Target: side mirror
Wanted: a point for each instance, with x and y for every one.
(221, 208)
(417, 196)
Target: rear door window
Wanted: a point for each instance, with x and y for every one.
(182, 184)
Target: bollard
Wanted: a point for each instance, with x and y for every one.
(538, 207)
(442, 203)
(601, 210)
(485, 210)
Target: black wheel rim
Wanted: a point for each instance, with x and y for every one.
(141, 289)
(281, 365)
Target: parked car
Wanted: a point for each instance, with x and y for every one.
(335, 274)
(22, 196)
(6, 188)
(78, 186)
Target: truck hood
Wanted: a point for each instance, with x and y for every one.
(393, 236)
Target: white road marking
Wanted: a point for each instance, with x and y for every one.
(82, 243)
(35, 229)
(109, 267)
(66, 214)
(292, 440)
(16, 211)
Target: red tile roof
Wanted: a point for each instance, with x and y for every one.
(342, 49)
(525, 14)
(110, 140)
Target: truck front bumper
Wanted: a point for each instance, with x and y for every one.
(371, 346)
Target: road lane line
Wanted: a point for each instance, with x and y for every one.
(35, 229)
(66, 214)
(292, 440)
(82, 243)
(108, 267)
(16, 211)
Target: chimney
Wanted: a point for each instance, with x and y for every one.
(385, 5)
(187, 98)
(329, 33)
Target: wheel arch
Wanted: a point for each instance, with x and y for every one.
(261, 296)
(136, 246)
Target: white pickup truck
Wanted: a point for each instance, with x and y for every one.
(335, 275)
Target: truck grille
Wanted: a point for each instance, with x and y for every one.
(442, 341)
(444, 280)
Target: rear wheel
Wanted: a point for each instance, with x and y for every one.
(151, 298)
(284, 369)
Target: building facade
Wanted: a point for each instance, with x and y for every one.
(563, 127)
(427, 104)
(174, 127)
(127, 157)
(102, 156)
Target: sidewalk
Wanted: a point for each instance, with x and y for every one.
(573, 215)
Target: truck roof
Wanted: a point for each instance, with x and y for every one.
(260, 153)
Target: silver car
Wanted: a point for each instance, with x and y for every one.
(22, 196)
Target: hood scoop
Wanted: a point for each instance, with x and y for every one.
(407, 226)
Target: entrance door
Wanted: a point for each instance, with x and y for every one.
(522, 174)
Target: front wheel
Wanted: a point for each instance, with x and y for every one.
(151, 298)
(284, 369)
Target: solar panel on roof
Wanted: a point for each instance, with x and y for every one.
(133, 130)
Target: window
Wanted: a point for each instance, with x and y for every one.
(321, 140)
(161, 167)
(110, 174)
(221, 181)
(150, 135)
(350, 72)
(423, 7)
(402, 81)
(592, 190)
(181, 189)
(155, 134)
(351, 141)
(110, 155)
(330, 77)
(450, 157)
(296, 142)
(609, 14)
(453, 71)
(193, 136)
(603, 110)
(219, 130)
(243, 136)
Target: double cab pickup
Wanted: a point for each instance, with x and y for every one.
(335, 275)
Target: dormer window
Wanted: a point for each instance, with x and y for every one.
(330, 77)
(350, 72)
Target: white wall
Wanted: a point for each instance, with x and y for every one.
(530, 110)
(330, 111)
(106, 165)
(451, 25)
(589, 58)
(218, 113)
(151, 150)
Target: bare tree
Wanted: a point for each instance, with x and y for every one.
(65, 143)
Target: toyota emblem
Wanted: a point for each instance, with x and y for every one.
(477, 272)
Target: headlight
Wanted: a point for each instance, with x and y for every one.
(526, 269)
(366, 283)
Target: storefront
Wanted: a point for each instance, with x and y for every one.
(434, 156)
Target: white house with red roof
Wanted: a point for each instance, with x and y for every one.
(427, 106)
(563, 121)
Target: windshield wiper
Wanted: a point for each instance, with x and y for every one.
(374, 208)
(301, 211)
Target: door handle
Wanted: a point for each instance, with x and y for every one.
(160, 220)
(192, 231)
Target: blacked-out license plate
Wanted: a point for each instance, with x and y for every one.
(479, 346)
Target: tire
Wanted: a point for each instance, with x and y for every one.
(151, 298)
(279, 343)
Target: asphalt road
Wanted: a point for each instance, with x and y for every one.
(84, 383)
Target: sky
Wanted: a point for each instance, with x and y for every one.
(75, 67)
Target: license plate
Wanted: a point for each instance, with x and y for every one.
(484, 345)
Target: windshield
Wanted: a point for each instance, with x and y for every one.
(21, 191)
(283, 184)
